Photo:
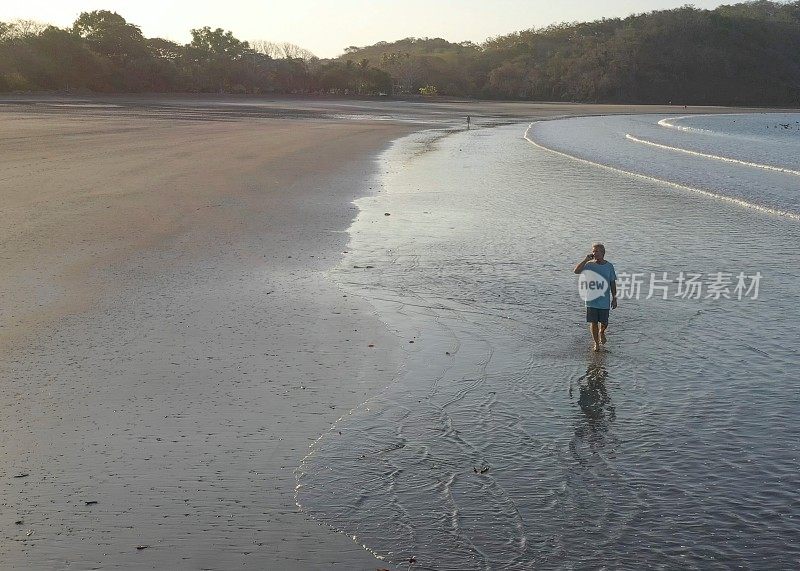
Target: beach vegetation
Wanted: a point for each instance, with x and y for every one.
(740, 54)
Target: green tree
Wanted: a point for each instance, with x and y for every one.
(217, 43)
(111, 35)
(218, 60)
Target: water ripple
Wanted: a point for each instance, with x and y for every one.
(504, 443)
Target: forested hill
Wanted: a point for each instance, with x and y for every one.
(743, 54)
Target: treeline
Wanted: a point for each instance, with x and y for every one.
(742, 54)
(102, 52)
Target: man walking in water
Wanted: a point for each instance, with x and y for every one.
(598, 285)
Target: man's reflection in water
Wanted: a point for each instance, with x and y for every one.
(591, 428)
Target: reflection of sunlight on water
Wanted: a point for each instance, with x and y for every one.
(506, 443)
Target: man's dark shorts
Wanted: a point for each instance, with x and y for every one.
(594, 315)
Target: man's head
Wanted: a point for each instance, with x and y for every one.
(599, 251)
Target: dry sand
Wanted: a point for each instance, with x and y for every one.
(170, 344)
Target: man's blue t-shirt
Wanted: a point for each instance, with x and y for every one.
(607, 271)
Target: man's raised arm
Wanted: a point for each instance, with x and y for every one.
(579, 268)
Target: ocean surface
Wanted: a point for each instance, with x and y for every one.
(504, 442)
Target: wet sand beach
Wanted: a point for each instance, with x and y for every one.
(170, 346)
(170, 340)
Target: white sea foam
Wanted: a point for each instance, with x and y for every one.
(710, 156)
(669, 123)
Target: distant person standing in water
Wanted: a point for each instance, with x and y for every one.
(469, 120)
(599, 288)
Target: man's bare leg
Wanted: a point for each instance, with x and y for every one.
(594, 329)
(603, 333)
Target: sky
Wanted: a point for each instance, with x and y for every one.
(327, 27)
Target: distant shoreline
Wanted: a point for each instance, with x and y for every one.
(7, 97)
(423, 113)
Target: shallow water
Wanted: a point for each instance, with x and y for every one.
(505, 443)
